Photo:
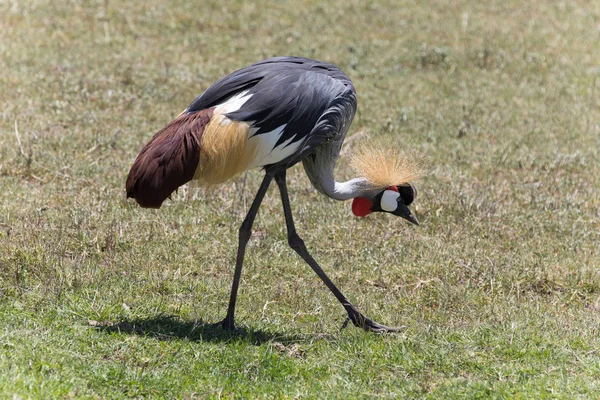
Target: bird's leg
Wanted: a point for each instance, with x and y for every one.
(299, 247)
(244, 236)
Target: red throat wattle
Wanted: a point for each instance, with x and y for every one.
(361, 207)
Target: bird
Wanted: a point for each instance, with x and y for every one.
(272, 115)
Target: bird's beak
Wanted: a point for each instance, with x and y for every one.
(404, 212)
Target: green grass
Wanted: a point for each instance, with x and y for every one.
(499, 286)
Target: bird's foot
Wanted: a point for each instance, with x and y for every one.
(367, 324)
(227, 324)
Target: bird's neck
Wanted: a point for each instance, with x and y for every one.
(319, 169)
(324, 181)
(351, 189)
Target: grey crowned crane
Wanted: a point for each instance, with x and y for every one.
(273, 114)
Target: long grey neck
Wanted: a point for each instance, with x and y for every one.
(353, 188)
(320, 173)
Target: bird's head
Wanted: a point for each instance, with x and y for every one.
(394, 200)
(389, 175)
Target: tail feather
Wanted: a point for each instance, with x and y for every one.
(169, 160)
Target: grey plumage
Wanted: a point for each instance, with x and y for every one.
(315, 100)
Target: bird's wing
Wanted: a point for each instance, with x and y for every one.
(307, 98)
(248, 77)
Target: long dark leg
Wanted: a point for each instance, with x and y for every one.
(297, 244)
(244, 235)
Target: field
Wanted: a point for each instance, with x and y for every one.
(499, 286)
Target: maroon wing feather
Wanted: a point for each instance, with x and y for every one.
(169, 160)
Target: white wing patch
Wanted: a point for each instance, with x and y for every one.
(233, 103)
(263, 145)
(266, 151)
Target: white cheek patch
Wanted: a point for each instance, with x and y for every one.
(389, 200)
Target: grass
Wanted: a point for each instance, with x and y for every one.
(499, 286)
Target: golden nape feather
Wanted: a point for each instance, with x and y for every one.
(384, 166)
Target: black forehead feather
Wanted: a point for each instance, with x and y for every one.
(408, 193)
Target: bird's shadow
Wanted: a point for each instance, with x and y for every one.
(167, 327)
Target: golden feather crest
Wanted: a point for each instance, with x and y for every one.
(384, 166)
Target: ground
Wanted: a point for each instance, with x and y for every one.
(499, 287)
